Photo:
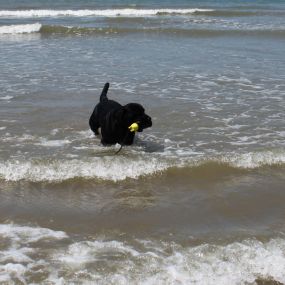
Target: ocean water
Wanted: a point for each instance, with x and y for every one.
(199, 198)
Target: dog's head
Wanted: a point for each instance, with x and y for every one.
(117, 122)
(135, 113)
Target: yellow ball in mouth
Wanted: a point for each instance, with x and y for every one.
(134, 127)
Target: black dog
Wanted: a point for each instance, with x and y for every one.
(115, 120)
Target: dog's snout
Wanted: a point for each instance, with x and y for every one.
(147, 121)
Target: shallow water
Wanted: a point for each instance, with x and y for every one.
(199, 198)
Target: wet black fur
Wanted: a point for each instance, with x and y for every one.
(114, 120)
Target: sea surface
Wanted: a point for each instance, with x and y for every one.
(199, 198)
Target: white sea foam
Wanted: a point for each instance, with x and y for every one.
(15, 259)
(169, 263)
(5, 97)
(118, 168)
(26, 234)
(54, 132)
(53, 143)
(106, 168)
(23, 138)
(255, 159)
(19, 29)
(138, 262)
(86, 134)
(104, 13)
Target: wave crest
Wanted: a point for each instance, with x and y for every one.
(103, 13)
(122, 167)
(20, 29)
(105, 168)
(64, 30)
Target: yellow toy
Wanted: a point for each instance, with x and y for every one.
(134, 127)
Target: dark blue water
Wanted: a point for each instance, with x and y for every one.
(13, 4)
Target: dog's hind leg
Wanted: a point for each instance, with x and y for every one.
(94, 125)
(94, 121)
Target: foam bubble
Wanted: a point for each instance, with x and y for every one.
(54, 132)
(19, 29)
(105, 13)
(86, 134)
(12, 270)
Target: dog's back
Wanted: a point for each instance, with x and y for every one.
(101, 109)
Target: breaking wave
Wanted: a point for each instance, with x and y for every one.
(81, 31)
(87, 31)
(102, 13)
(235, 263)
(105, 168)
(119, 168)
(61, 30)
(26, 257)
(132, 12)
(20, 29)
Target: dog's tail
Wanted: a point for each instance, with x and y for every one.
(103, 96)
